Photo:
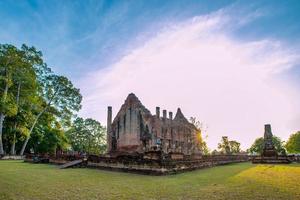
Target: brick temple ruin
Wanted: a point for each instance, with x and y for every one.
(140, 142)
(136, 130)
(153, 144)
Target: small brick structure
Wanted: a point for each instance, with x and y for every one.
(270, 154)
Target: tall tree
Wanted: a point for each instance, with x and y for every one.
(10, 60)
(58, 92)
(17, 68)
(293, 143)
(29, 91)
(26, 85)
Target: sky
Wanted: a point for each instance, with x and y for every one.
(234, 65)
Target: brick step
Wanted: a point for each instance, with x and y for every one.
(71, 164)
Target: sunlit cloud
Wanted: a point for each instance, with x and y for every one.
(232, 86)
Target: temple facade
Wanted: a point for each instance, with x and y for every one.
(135, 130)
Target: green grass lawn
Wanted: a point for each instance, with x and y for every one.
(19, 180)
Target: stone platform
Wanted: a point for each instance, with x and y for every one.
(150, 163)
(12, 157)
(161, 164)
(271, 160)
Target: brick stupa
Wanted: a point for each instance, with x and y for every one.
(270, 154)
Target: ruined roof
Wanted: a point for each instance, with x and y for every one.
(131, 98)
(133, 102)
(180, 117)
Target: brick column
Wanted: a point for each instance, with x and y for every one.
(109, 134)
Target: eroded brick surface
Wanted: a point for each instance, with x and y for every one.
(135, 129)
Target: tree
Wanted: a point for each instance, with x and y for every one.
(26, 85)
(87, 135)
(48, 136)
(229, 146)
(293, 143)
(258, 145)
(33, 101)
(234, 146)
(58, 92)
(16, 68)
(8, 58)
(16, 127)
(224, 145)
(200, 127)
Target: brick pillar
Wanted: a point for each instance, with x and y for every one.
(170, 115)
(164, 114)
(109, 134)
(157, 112)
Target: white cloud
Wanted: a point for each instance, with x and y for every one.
(230, 85)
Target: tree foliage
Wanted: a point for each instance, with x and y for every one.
(258, 145)
(293, 143)
(224, 145)
(87, 135)
(16, 71)
(234, 146)
(48, 136)
(62, 97)
(229, 146)
(36, 105)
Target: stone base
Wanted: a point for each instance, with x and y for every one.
(149, 164)
(152, 163)
(8, 157)
(271, 160)
(176, 156)
(269, 153)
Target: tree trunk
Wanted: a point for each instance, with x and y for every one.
(13, 145)
(31, 129)
(36, 120)
(2, 117)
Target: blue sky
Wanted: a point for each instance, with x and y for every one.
(78, 34)
(240, 49)
(75, 34)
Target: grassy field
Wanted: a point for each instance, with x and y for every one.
(20, 180)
